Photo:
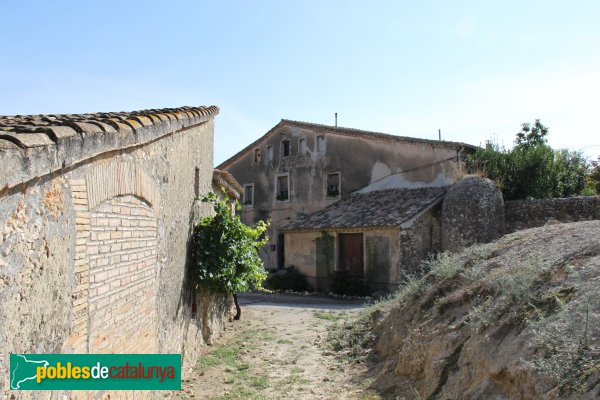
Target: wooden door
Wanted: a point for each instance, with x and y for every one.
(351, 253)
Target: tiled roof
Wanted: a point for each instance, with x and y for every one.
(337, 130)
(384, 208)
(223, 179)
(43, 130)
(34, 145)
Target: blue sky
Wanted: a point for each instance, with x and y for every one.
(475, 70)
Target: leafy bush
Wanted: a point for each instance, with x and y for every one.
(444, 265)
(532, 168)
(291, 279)
(225, 251)
(412, 288)
(571, 169)
(344, 282)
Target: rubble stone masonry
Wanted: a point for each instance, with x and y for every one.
(96, 211)
(523, 214)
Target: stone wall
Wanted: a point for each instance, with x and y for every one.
(418, 241)
(472, 212)
(95, 220)
(523, 214)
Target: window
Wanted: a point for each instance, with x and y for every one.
(333, 184)
(321, 144)
(269, 153)
(283, 188)
(301, 147)
(256, 155)
(248, 195)
(285, 148)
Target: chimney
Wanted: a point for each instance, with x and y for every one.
(335, 119)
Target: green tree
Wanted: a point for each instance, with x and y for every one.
(532, 168)
(593, 179)
(532, 135)
(530, 172)
(225, 251)
(571, 170)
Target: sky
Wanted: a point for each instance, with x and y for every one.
(476, 70)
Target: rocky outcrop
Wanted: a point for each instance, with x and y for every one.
(518, 318)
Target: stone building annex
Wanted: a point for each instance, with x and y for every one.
(95, 217)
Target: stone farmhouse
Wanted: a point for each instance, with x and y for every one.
(303, 178)
(377, 236)
(96, 212)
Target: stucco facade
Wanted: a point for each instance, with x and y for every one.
(95, 220)
(298, 168)
(316, 254)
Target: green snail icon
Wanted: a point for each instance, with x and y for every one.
(23, 369)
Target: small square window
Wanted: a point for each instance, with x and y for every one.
(333, 184)
(248, 195)
(256, 155)
(285, 148)
(283, 188)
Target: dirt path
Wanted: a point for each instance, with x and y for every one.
(277, 351)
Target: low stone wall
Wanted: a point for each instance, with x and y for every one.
(95, 221)
(523, 214)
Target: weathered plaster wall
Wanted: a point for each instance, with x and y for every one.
(360, 160)
(36, 278)
(382, 259)
(301, 252)
(316, 254)
(93, 256)
(523, 214)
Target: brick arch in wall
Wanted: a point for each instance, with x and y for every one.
(114, 306)
(110, 180)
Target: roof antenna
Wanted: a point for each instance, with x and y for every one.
(335, 119)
